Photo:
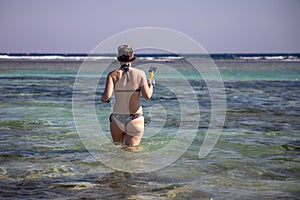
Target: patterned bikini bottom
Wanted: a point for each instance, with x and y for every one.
(125, 118)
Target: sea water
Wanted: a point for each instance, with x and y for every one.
(256, 157)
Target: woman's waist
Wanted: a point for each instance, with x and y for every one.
(127, 111)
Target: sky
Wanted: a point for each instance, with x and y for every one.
(220, 26)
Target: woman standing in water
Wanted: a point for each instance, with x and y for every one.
(127, 83)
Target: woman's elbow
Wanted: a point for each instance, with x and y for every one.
(147, 97)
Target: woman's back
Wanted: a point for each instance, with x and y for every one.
(127, 88)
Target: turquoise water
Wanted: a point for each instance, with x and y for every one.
(256, 157)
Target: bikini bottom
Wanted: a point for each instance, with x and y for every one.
(125, 118)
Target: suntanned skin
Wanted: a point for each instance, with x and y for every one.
(131, 107)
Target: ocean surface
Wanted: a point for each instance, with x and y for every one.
(257, 156)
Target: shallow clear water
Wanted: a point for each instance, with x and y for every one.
(256, 157)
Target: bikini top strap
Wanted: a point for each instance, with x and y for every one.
(137, 90)
(125, 68)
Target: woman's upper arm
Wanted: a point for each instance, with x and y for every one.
(108, 89)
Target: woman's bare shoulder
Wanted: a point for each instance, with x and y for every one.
(114, 73)
(139, 71)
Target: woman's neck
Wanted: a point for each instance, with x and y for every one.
(125, 63)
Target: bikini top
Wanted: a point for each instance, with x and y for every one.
(137, 90)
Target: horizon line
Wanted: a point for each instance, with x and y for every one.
(147, 53)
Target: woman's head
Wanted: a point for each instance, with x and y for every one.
(125, 53)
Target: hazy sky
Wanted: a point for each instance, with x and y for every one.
(220, 26)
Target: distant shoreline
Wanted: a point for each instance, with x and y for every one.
(148, 56)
